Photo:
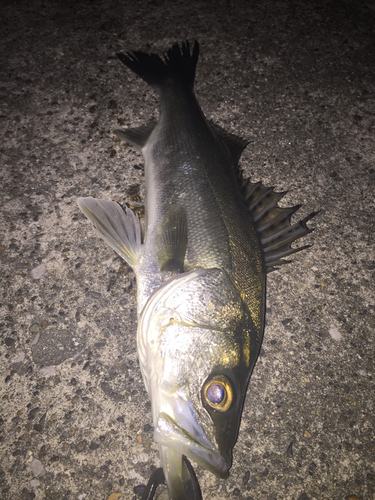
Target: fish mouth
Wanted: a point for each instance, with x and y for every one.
(198, 447)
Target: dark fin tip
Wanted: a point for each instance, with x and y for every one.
(178, 63)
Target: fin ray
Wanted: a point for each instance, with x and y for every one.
(178, 64)
(136, 136)
(235, 144)
(120, 229)
(273, 223)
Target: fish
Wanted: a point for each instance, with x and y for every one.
(201, 261)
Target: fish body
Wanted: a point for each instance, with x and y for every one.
(200, 265)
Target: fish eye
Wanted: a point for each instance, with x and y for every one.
(217, 393)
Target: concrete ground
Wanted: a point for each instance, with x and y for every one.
(297, 79)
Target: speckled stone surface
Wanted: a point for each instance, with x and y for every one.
(295, 78)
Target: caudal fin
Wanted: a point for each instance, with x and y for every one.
(177, 64)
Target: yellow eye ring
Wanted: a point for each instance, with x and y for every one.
(217, 393)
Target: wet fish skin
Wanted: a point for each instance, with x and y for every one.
(189, 168)
(189, 165)
(200, 268)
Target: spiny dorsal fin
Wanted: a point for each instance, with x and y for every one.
(235, 144)
(136, 136)
(273, 223)
(171, 240)
(121, 230)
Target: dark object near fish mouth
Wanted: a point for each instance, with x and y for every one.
(157, 477)
(192, 488)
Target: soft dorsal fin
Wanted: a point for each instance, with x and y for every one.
(171, 240)
(136, 136)
(120, 229)
(235, 144)
(273, 223)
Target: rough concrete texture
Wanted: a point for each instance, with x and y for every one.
(295, 78)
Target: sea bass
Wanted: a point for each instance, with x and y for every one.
(200, 262)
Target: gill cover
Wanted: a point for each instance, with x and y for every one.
(195, 341)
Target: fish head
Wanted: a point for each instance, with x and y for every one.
(195, 339)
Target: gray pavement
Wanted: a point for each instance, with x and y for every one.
(295, 78)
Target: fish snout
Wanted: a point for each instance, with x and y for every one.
(192, 443)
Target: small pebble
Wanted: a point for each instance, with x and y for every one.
(289, 450)
(38, 271)
(37, 467)
(19, 358)
(34, 328)
(81, 446)
(114, 496)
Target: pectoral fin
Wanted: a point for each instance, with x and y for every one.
(171, 240)
(120, 229)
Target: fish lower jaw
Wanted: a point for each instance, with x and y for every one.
(199, 449)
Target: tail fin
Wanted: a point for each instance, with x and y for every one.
(178, 64)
